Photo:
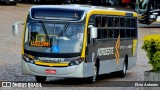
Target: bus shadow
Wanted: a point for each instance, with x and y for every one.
(149, 26)
(66, 82)
(109, 76)
(81, 82)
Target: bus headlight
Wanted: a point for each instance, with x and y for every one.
(26, 59)
(32, 61)
(76, 62)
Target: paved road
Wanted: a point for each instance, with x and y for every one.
(10, 55)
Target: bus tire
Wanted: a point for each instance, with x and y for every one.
(95, 73)
(40, 79)
(123, 71)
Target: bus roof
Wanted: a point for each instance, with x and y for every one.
(85, 8)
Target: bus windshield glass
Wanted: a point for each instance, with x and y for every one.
(141, 6)
(47, 37)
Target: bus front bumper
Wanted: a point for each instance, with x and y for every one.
(76, 71)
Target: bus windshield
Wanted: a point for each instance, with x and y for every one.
(141, 6)
(47, 37)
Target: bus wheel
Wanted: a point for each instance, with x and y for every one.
(95, 73)
(40, 79)
(123, 72)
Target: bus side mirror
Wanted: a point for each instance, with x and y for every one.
(15, 29)
(93, 32)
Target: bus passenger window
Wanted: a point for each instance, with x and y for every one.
(133, 33)
(98, 21)
(92, 19)
(99, 36)
(104, 22)
(110, 21)
(116, 33)
(133, 22)
(116, 22)
(128, 33)
(110, 33)
(104, 33)
(122, 33)
(122, 22)
(127, 22)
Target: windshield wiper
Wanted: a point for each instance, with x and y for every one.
(45, 31)
(65, 27)
(61, 33)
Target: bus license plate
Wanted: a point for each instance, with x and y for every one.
(50, 71)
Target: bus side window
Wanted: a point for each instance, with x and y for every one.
(133, 22)
(122, 33)
(116, 33)
(99, 36)
(127, 22)
(128, 33)
(98, 24)
(104, 22)
(91, 22)
(133, 33)
(133, 26)
(104, 33)
(121, 25)
(122, 22)
(110, 24)
(98, 21)
(116, 22)
(110, 21)
(110, 33)
(105, 27)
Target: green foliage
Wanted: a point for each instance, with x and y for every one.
(152, 46)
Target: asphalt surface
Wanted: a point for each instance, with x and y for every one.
(10, 57)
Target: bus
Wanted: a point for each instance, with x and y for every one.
(78, 41)
(148, 10)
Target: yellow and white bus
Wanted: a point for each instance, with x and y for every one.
(78, 41)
